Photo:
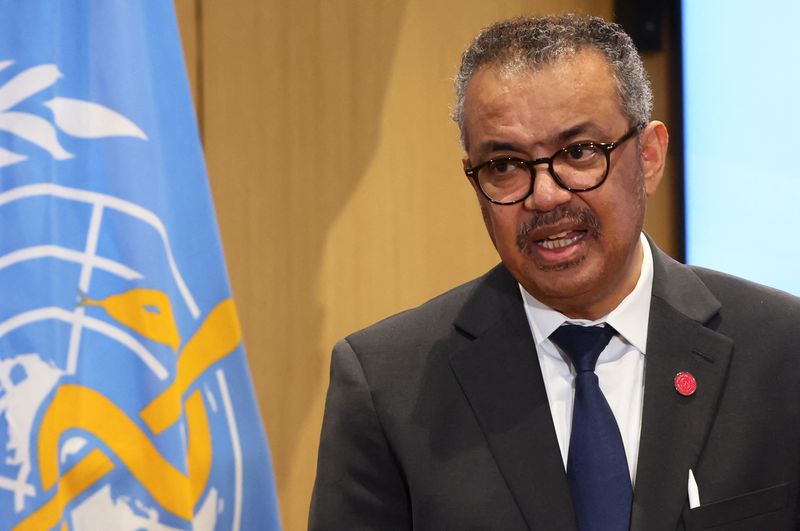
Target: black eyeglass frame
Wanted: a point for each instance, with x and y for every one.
(605, 147)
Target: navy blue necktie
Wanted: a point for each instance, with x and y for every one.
(597, 469)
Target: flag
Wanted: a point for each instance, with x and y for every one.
(125, 398)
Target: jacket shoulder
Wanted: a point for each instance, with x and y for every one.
(746, 297)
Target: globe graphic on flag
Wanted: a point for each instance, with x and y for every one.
(39, 351)
(113, 406)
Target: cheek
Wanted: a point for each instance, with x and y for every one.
(503, 224)
(622, 207)
(487, 217)
(487, 220)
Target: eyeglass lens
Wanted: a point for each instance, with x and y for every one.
(577, 167)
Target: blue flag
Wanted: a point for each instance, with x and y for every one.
(125, 399)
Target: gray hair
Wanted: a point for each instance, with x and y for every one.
(531, 43)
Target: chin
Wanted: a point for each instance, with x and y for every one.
(558, 282)
(548, 268)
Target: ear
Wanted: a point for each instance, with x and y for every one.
(655, 140)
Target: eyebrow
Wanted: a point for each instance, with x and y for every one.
(572, 132)
(501, 146)
(583, 128)
(560, 138)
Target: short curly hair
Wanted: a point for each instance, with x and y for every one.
(533, 42)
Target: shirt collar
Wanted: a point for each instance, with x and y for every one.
(630, 318)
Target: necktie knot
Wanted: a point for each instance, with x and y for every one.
(582, 344)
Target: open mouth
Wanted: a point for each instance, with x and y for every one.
(561, 240)
(558, 239)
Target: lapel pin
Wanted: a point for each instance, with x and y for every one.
(685, 383)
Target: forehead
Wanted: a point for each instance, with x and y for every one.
(577, 91)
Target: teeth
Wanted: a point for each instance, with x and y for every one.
(553, 242)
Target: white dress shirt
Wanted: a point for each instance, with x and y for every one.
(620, 367)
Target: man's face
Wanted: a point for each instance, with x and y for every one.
(577, 252)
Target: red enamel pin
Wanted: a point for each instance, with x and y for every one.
(685, 383)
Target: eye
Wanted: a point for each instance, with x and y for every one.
(580, 153)
(504, 167)
(501, 166)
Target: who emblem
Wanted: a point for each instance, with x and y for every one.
(117, 403)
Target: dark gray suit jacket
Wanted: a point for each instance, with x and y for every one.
(437, 418)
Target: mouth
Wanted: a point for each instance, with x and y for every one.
(561, 240)
(559, 251)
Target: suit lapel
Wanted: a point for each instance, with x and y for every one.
(675, 427)
(500, 375)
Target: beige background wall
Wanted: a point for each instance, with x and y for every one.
(336, 176)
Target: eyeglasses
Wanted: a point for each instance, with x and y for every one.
(578, 168)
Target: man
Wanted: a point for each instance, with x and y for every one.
(474, 412)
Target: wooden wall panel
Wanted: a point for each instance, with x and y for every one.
(188, 13)
(336, 175)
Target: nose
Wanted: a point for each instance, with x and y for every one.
(547, 194)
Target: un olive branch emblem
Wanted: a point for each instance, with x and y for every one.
(74, 117)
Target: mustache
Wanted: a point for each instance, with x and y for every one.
(578, 216)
